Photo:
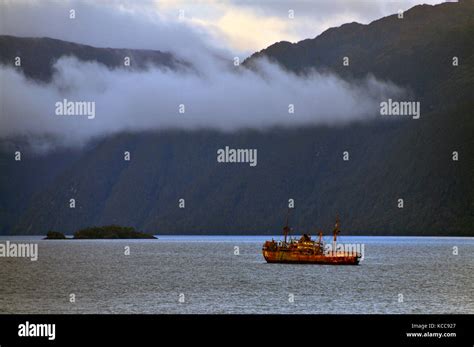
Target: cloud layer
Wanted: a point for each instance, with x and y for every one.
(218, 97)
(215, 94)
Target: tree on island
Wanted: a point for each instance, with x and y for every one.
(55, 235)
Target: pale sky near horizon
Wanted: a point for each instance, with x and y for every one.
(241, 27)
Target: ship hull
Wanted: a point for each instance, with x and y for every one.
(288, 257)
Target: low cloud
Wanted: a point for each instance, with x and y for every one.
(215, 94)
(218, 96)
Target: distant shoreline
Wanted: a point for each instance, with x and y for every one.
(105, 232)
(208, 236)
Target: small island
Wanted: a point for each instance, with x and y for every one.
(103, 232)
(55, 235)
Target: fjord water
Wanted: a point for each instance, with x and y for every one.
(398, 275)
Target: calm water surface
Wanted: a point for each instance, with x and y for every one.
(423, 271)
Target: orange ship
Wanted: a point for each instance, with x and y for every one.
(307, 251)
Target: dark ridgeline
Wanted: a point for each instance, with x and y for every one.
(39, 55)
(407, 159)
(414, 52)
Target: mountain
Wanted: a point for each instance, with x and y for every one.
(39, 55)
(409, 159)
(414, 52)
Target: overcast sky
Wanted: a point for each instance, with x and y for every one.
(241, 27)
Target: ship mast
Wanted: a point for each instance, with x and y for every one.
(335, 231)
(286, 228)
